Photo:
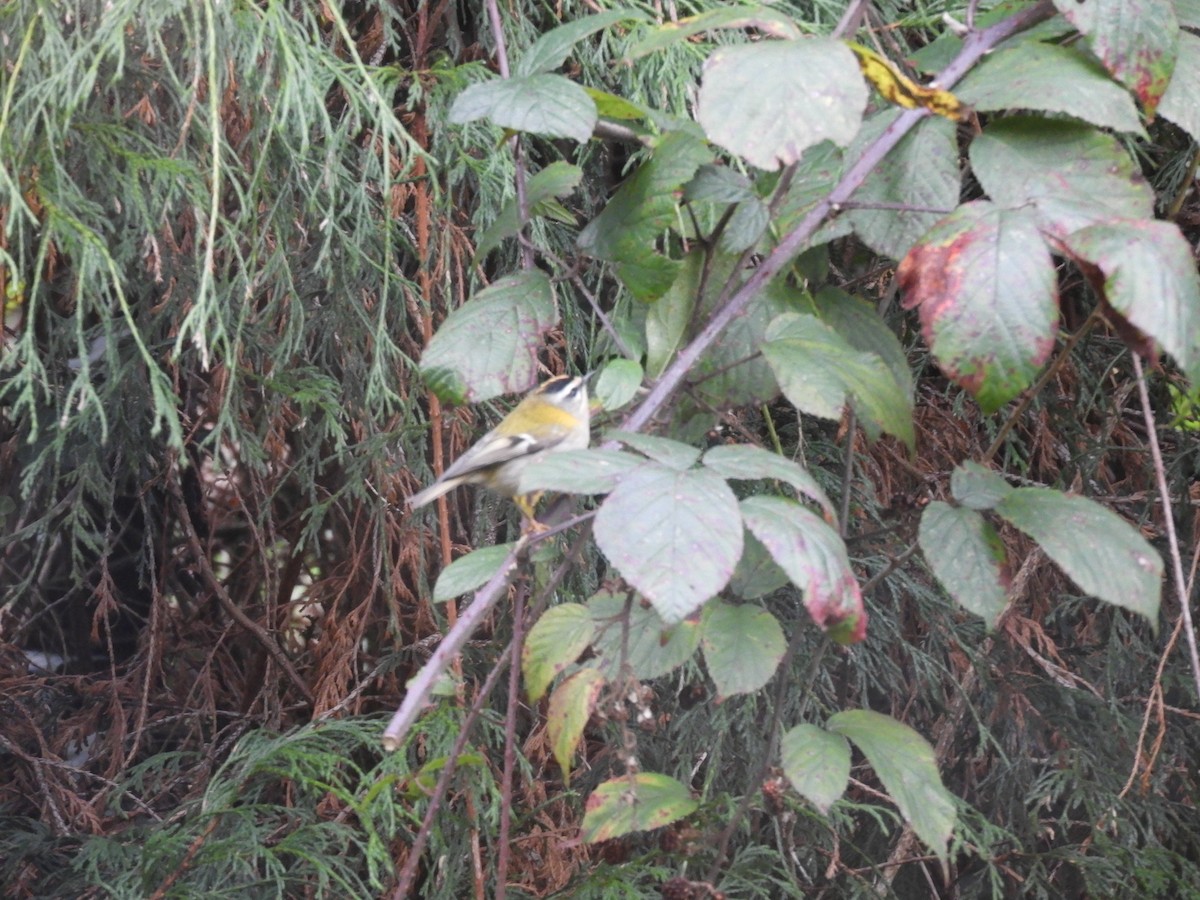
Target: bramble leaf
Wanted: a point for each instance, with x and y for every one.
(984, 285)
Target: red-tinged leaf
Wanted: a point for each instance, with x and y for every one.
(1145, 271)
(571, 705)
(814, 558)
(640, 802)
(1136, 40)
(984, 284)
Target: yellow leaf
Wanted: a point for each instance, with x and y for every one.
(903, 91)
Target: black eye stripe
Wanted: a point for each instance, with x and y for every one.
(557, 385)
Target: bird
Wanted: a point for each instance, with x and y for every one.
(554, 416)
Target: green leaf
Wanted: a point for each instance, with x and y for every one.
(618, 383)
(721, 186)
(1074, 174)
(1181, 103)
(571, 705)
(745, 226)
(816, 175)
(671, 453)
(814, 557)
(640, 802)
(1135, 40)
(644, 207)
(469, 572)
(967, 557)
(610, 106)
(1100, 551)
(744, 462)
(742, 647)
(591, 471)
(554, 642)
(921, 172)
(977, 487)
(1146, 272)
(651, 647)
(491, 342)
(938, 54)
(553, 47)
(556, 180)
(674, 535)
(549, 105)
(804, 92)
(761, 18)
(817, 764)
(906, 767)
(731, 371)
(984, 284)
(818, 371)
(863, 329)
(1051, 78)
(667, 319)
(757, 574)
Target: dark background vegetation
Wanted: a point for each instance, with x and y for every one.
(210, 419)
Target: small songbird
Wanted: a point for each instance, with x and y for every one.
(553, 417)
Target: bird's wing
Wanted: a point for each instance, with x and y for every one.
(495, 449)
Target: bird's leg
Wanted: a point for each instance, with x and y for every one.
(529, 523)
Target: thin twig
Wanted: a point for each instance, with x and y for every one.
(1160, 475)
(234, 611)
(782, 686)
(420, 688)
(510, 743)
(572, 273)
(407, 876)
(847, 473)
(515, 141)
(852, 18)
(1035, 389)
